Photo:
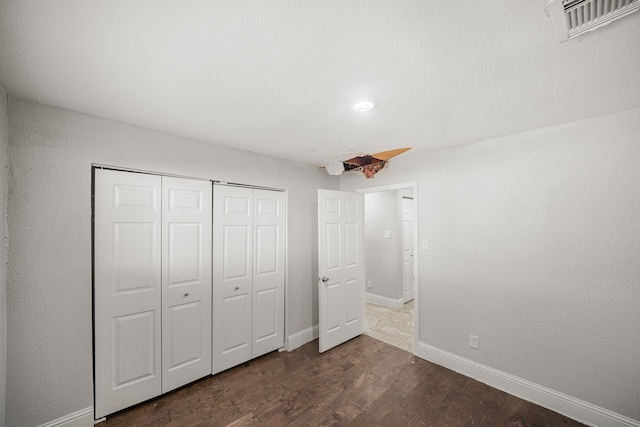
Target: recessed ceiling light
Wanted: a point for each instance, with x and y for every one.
(364, 106)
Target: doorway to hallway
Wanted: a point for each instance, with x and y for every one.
(390, 243)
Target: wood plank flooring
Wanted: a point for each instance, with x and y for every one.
(363, 382)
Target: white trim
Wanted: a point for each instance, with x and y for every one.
(395, 304)
(388, 187)
(81, 418)
(285, 329)
(229, 184)
(301, 338)
(569, 406)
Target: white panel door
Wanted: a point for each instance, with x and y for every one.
(127, 291)
(232, 276)
(407, 249)
(268, 271)
(340, 267)
(186, 281)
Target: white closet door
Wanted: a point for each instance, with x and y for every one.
(232, 276)
(186, 281)
(268, 277)
(127, 289)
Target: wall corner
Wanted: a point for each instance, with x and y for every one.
(4, 165)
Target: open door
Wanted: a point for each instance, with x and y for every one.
(340, 267)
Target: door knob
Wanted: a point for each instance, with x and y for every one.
(186, 294)
(324, 279)
(237, 288)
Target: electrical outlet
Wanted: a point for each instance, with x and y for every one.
(473, 342)
(369, 284)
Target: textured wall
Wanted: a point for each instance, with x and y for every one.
(49, 284)
(4, 141)
(381, 214)
(534, 246)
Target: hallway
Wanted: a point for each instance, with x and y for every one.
(393, 327)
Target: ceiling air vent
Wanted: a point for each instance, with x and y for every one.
(572, 18)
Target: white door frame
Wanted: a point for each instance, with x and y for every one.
(413, 185)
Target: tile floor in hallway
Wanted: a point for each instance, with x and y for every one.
(391, 326)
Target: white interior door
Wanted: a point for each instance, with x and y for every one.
(186, 281)
(232, 276)
(268, 272)
(127, 291)
(340, 267)
(407, 249)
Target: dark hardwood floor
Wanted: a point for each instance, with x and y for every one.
(363, 382)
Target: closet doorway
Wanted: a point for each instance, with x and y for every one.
(188, 280)
(152, 286)
(248, 273)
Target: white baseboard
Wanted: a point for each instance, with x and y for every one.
(564, 404)
(81, 418)
(301, 338)
(395, 304)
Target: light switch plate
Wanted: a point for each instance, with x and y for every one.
(424, 245)
(387, 234)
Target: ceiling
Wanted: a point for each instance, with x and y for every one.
(279, 77)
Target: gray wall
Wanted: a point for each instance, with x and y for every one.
(534, 246)
(49, 358)
(382, 267)
(4, 142)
